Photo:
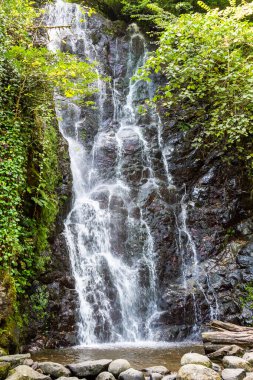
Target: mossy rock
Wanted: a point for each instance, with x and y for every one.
(4, 369)
(3, 351)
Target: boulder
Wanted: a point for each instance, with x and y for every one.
(248, 356)
(157, 369)
(197, 372)
(193, 358)
(233, 374)
(24, 372)
(131, 374)
(230, 350)
(4, 369)
(155, 376)
(89, 367)
(118, 366)
(15, 359)
(28, 362)
(54, 370)
(235, 362)
(105, 376)
(172, 376)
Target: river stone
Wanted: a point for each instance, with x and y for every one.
(235, 362)
(157, 369)
(105, 376)
(197, 372)
(4, 369)
(28, 362)
(193, 358)
(118, 366)
(69, 378)
(89, 367)
(54, 370)
(131, 374)
(155, 376)
(227, 350)
(172, 376)
(24, 372)
(248, 356)
(233, 374)
(15, 359)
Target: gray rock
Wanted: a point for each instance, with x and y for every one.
(235, 362)
(15, 359)
(155, 376)
(249, 376)
(216, 367)
(193, 358)
(118, 366)
(68, 378)
(105, 376)
(89, 367)
(131, 374)
(197, 372)
(227, 350)
(248, 356)
(24, 372)
(233, 374)
(28, 362)
(159, 369)
(172, 376)
(54, 370)
(4, 369)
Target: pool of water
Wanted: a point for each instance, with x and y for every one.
(140, 355)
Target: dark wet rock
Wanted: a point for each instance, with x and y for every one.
(54, 370)
(89, 367)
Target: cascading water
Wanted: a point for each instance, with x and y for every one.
(109, 230)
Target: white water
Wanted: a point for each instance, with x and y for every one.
(117, 286)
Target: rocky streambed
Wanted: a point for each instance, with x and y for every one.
(228, 363)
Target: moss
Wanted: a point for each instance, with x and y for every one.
(4, 369)
(9, 316)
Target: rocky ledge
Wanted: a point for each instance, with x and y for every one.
(193, 367)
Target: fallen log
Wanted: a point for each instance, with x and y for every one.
(224, 333)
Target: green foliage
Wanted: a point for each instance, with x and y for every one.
(29, 74)
(207, 62)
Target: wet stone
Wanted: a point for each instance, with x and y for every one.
(89, 367)
(24, 372)
(53, 369)
(194, 358)
(105, 376)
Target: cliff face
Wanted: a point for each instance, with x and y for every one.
(201, 222)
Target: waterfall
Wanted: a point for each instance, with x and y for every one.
(109, 230)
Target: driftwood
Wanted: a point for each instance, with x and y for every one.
(228, 333)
